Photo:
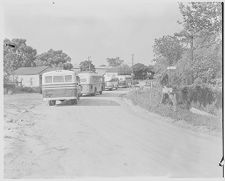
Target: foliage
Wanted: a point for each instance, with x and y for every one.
(200, 20)
(150, 100)
(201, 16)
(21, 55)
(141, 71)
(160, 65)
(67, 66)
(200, 93)
(121, 70)
(124, 70)
(168, 47)
(53, 58)
(87, 66)
(114, 62)
(27, 90)
(205, 68)
(202, 45)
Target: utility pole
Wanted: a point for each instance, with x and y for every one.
(89, 63)
(132, 57)
(192, 56)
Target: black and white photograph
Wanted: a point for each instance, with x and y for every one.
(112, 89)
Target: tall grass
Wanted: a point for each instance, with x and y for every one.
(150, 98)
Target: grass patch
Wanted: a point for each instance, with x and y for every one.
(150, 99)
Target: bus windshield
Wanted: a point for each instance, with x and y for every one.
(58, 79)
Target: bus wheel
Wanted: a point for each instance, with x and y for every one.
(74, 101)
(95, 91)
(51, 102)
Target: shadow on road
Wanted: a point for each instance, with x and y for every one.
(114, 93)
(66, 103)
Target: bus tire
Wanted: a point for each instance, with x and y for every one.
(10, 91)
(95, 92)
(51, 102)
(74, 101)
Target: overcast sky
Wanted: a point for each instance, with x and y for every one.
(96, 28)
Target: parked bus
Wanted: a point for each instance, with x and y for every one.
(91, 83)
(60, 85)
(124, 80)
(111, 82)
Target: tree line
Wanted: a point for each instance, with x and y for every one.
(196, 51)
(19, 54)
(116, 64)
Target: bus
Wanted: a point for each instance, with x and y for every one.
(124, 80)
(91, 83)
(111, 82)
(60, 85)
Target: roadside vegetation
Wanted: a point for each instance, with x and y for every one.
(196, 80)
(149, 99)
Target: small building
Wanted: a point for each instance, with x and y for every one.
(30, 76)
(99, 70)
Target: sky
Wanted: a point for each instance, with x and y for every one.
(97, 28)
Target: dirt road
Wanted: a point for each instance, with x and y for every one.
(101, 136)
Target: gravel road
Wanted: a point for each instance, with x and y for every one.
(102, 136)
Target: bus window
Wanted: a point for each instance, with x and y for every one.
(68, 78)
(48, 79)
(58, 79)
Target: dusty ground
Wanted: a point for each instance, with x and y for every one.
(101, 136)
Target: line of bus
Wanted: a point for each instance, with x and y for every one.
(111, 82)
(91, 83)
(124, 80)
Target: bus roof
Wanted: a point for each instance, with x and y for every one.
(59, 72)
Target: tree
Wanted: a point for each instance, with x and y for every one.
(53, 58)
(202, 22)
(114, 62)
(123, 69)
(207, 64)
(67, 66)
(87, 66)
(19, 56)
(168, 47)
(150, 72)
(201, 16)
(140, 71)
(160, 65)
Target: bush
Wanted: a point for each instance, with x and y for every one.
(150, 99)
(202, 94)
(27, 90)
